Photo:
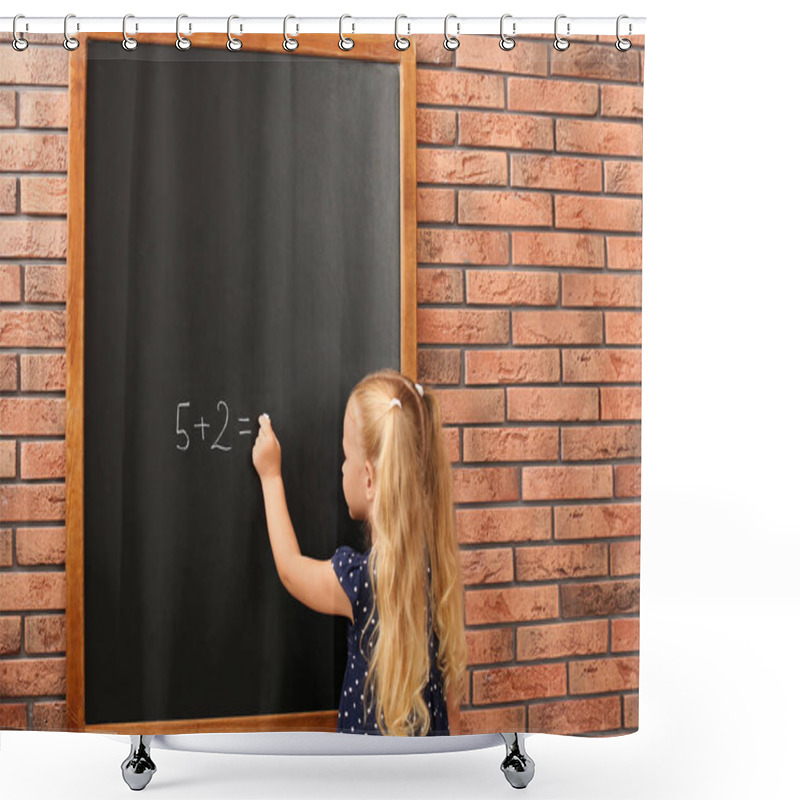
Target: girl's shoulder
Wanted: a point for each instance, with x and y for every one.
(350, 567)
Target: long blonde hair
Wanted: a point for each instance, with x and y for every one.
(412, 527)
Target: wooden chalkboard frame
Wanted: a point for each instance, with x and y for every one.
(367, 48)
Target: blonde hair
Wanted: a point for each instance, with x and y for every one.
(412, 527)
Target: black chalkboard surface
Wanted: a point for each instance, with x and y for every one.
(242, 255)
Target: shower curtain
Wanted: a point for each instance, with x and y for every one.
(190, 238)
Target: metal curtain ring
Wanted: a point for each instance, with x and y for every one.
(233, 44)
(70, 42)
(128, 42)
(560, 43)
(289, 43)
(400, 42)
(506, 42)
(623, 44)
(451, 42)
(19, 42)
(182, 43)
(345, 42)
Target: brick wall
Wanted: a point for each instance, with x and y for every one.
(529, 248)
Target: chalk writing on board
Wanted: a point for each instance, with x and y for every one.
(221, 419)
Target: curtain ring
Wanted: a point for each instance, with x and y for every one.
(233, 44)
(70, 42)
(623, 44)
(128, 42)
(451, 42)
(506, 42)
(400, 42)
(560, 43)
(19, 42)
(289, 43)
(345, 42)
(182, 43)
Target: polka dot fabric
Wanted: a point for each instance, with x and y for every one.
(351, 568)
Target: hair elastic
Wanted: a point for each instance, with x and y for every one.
(419, 389)
(395, 401)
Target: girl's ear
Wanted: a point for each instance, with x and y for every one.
(369, 485)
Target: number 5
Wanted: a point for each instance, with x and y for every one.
(178, 428)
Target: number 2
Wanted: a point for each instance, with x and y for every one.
(215, 445)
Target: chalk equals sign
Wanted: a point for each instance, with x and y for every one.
(244, 419)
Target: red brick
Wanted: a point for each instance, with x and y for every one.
(440, 286)
(37, 546)
(33, 676)
(8, 109)
(34, 38)
(516, 131)
(622, 101)
(625, 558)
(510, 444)
(8, 195)
(29, 591)
(623, 177)
(487, 485)
(35, 501)
(43, 109)
(599, 599)
(601, 290)
(46, 634)
(37, 65)
(490, 645)
(461, 326)
(452, 443)
(557, 249)
(624, 327)
(436, 205)
(557, 562)
(15, 715)
(31, 416)
(547, 96)
(507, 684)
(505, 287)
(435, 246)
(461, 167)
(482, 52)
(575, 716)
(600, 138)
(43, 460)
(23, 328)
(438, 366)
(491, 565)
(11, 638)
(6, 559)
(637, 40)
(512, 366)
(45, 283)
(8, 459)
(594, 61)
(8, 372)
(429, 47)
(557, 327)
(566, 483)
(621, 402)
(39, 238)
(556, 172)
(490, 720)
(504, 208)
(471, 405)
(435, 126)
(552, 403)
(593, 442)
(522, 524)
(602, 366)
(597, 521)
(518, 604)
(630, 703)
(51, 716)
(624, 635)
(10, 283)
(598, 213)
(436, 87)
(43, 373)
(603, 675)
(43, 195)
(33, 152)
(628, 480)
(562, 639)
(624, 252)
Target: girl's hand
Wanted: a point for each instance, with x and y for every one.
(267, 450)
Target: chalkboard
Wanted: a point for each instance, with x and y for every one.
(242, 254)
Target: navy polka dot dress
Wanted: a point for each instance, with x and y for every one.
(351, 568)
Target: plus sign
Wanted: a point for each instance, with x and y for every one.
(202, 425)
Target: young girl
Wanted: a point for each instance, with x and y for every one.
(404, 597)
